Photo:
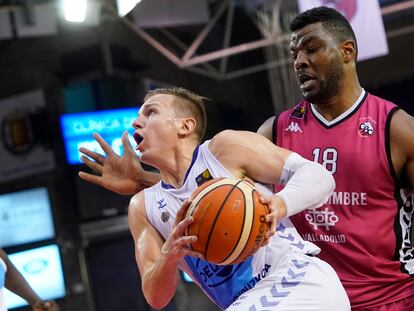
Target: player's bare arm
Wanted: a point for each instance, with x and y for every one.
(157, 259)
(402, 146)
(252, 155)
(249, 154)
(120, 174)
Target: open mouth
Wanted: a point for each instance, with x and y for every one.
(138, 139)
(305, 80)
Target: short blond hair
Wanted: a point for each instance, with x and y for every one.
(189, 104)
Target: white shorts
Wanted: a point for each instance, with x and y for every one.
(298, 283)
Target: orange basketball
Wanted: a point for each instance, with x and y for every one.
(229, 220)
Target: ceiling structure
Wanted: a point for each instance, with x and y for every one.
(235, 27)
(269, 21)
(243, 37)
(238, 37)
(270, 17)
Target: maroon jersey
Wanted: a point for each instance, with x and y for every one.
(365, 230)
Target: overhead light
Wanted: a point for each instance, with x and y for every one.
(74, 10)
(126, 6)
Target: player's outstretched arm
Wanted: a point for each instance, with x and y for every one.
(157, 259)
(16, 283)
(307, 184)
(121, 174)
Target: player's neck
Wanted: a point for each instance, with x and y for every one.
(341, 102)
(175, 167)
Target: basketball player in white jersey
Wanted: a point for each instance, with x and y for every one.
(11, 279)
(281, 275)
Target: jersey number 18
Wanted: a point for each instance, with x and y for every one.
(329, 158)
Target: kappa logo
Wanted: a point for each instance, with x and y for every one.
(294, 127)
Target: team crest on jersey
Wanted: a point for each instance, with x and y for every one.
(366, 127)
(298, 112)
(165, 216)
(203, 177)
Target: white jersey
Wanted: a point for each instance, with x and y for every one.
(3, 270)
(223, 284)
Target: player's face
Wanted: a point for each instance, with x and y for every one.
(317, 63)
(155, 127)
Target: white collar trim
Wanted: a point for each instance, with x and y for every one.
(340, 117)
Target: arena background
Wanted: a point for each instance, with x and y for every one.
(106, 64)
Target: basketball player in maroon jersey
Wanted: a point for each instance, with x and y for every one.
(366, 229)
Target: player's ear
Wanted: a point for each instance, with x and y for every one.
(348, 51)
(186, 126)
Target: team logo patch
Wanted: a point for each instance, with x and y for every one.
(298, 112)
(366, 127)
(165, 216)
(203, 177)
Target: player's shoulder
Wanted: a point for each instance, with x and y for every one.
(137, 203)
(402, 123)
(231, 144)
(373, 97)
(233, 137)
(266, 129)
(297, 112)
(222, 138)
(381, 105)
(137, 215)
(400, 120)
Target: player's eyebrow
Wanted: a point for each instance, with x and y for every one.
(145, 107)
(303, 42)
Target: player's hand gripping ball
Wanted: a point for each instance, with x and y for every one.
(229, 220)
